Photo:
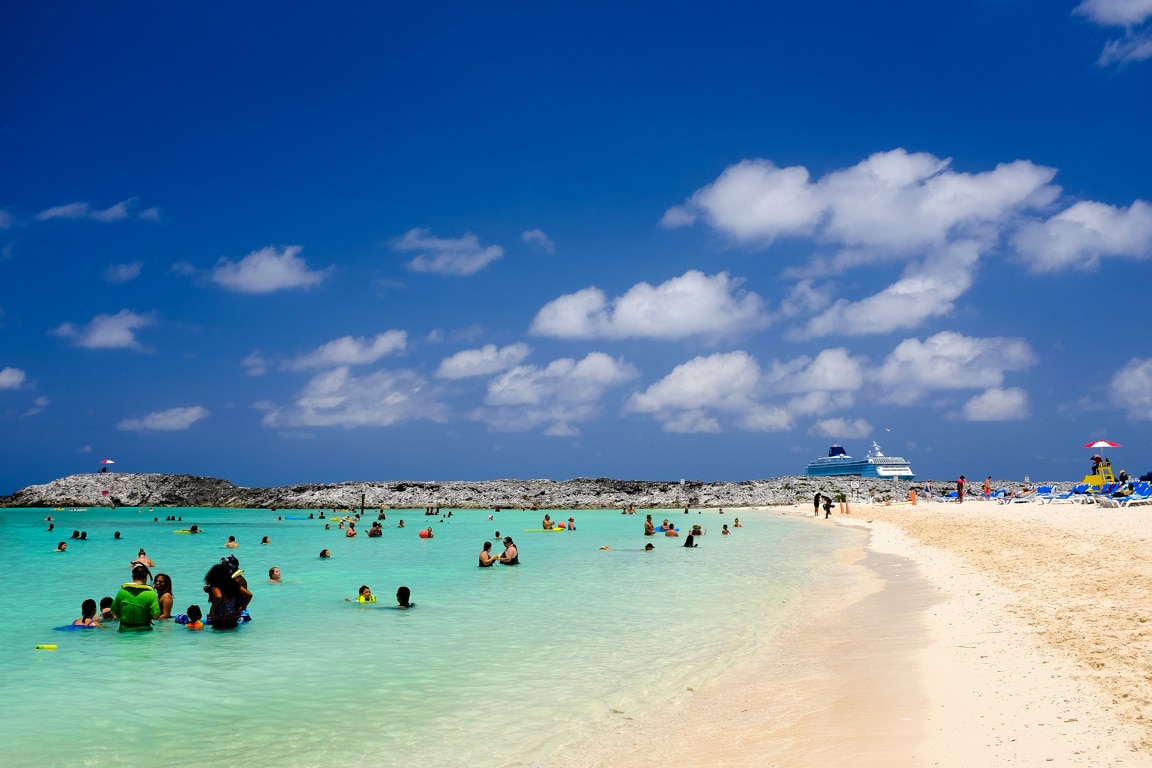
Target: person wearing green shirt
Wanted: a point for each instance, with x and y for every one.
(136, 604)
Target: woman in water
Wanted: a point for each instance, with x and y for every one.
(324, 554)
(486, 558)
(87, 615)
(690, 541)
(163, 586)
(228, 597)
(511, 555)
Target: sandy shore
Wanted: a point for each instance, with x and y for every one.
(958, 635)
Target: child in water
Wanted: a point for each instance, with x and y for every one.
(88, 615)
(365, 596)
(195, 616)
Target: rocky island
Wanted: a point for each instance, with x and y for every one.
(165, 490)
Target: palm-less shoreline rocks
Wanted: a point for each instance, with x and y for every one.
(152, 490)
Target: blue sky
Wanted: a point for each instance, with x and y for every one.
(279, 244)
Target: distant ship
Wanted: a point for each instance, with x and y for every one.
(875, 464)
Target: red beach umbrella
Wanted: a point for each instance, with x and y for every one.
(109, 461)
(1103, 444)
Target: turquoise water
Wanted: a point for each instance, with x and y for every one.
(499, 665)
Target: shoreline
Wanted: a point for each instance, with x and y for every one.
(957, 635)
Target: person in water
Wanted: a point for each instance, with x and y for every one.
(231, 543)
(163, 586)
(106, 609)
(487, 560)
(143, 559)
(547, 523)
(87, 615)
(649, 526)
(228, 596)
(61, 547)
(274, 574)
(136, 604)
(724, 531)
(365, 596)
(511, 555)
(404, 598)
(195, 616)
(325, 554)
(670, 531)
(690, 541)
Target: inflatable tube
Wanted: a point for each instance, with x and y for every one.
(541, 530)
(45, 647)
(184, 531)
(296, 517)
(71, 627)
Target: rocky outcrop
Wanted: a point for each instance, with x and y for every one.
(142, 490)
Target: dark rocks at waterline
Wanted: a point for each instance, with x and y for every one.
(153, 490)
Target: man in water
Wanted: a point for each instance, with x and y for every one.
(136, 604)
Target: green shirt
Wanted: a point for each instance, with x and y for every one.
(136, 605)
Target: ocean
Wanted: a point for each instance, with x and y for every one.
(497, 665)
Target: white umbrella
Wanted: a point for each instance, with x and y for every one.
(107, 461)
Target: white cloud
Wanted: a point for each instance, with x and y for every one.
(116, 331)
(1135, 46)
(336, 398)
(928, 289)
(693, 304)
(1131, 389)
(998, 405)
(842, 429)
(482, 362)
(950, 361)
(38, 406)
(123, 273)
(11, 378)
(255, 364)
(831, 370)
(170, 420)
(117, 212)
(1115, 13)
(557, 397)
(462, 256)
(267, 270)
(1080, 235)
(892, 199)
(538, 238)
(353, 351)
(726, 382)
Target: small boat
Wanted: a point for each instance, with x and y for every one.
(875, 464)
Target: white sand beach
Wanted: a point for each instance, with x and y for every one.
(983, 635)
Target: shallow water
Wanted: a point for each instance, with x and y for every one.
(498, 665)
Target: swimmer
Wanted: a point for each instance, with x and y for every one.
(649, 526)
(546, 523)
(429, 533)
(163, 586)
(52, 526)
(274, 575)
(736, 523)
(511, 555)
(61, 547)
(231, 543)
(194, 529)
(143, 559)
(605, 547)
(325, 554)
(195, 616)
(724, 531)
(351, 532)
(690, 541)
(87, 615)
(649, 547)
(265, 540)
(403, 598)
(105, 609)
(116, 535)
(401, 524)
(487, 560)
(571, 523)
(365, 596)
(671, 532)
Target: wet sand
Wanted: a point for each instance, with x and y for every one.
(959, 635)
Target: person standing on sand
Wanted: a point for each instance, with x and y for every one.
(816, 504)
(988, 487)
(827, 506)
(960, 489)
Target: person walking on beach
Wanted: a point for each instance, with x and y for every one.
(988, 487)
(816, 504)
(827, 506)
(960, 490)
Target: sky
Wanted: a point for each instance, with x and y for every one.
(277, 243)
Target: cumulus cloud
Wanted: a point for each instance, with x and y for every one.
(482, 362)
(893, 199)
(998, 404)
(693, 304)
(353, 351)
(173, 419)
(267, 270)
(117, 212)
(831, 370)
(1080, 235)
(684, 399)
(462, 256)
(556, 397)
(950, 361)
(11, 378)
(116, 331)
(123, 273)
(336, 398)
(1131, 388)
(842, 429)
(538, 238)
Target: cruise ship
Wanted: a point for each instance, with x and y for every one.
(875, 464)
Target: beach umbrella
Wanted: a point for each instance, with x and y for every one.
(109, 461)
(1101, 444)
